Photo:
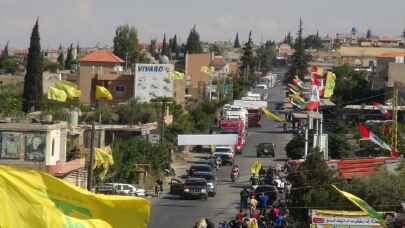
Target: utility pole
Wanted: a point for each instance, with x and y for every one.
(91, 159)
(394, 103)
(162, 122)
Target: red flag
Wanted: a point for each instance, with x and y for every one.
(384, 111)
(314, 101)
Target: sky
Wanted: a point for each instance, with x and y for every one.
(92, 22)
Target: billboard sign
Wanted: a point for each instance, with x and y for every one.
(218, 139)
(153, 81)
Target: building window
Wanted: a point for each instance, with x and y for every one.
(187, 92)
(120, 89)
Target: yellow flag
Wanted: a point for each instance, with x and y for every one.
(103, 159)
(175, 75)
(71, 89)
(271, 115)
(56, 94)
(208, 70)
(103, 93)
(33, 199)
(330, 84)
(363, 205)
(255, 168)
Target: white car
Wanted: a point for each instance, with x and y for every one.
(121, 189)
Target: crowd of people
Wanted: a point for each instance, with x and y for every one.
(265, 209)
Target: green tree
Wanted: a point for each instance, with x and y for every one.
(266, 55)
(135, 112)
(312, 188)
(300, 59)
(313, 41)
(165, 49)
(248, 62)
(33, 79)
(288, 39)
(69, 63)
(369, 34)
(11, 101)
(128, 153)
(174, 47)
(295, 147)
(338, 147)
(236, 43)
(153, 49)
(4, 56)
(126, 44)
(193, 45)
(61, 58)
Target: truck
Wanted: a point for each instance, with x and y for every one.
(254, 117)
(234, 126)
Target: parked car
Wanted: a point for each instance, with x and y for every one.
(265, 149)
(211, 181)
(200, 168)
(226, 159)
(120, 189)
(208, 161)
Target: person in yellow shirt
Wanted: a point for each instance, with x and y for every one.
(253, 203)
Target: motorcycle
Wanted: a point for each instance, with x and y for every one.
(234, 175)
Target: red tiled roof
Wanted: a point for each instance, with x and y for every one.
(218, 61)
(102, 56)
(393, 54)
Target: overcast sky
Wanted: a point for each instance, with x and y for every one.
(93, 21)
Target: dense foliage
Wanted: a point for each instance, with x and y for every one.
(126, 44)
(193, 45)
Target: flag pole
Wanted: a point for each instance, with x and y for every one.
(91, 159)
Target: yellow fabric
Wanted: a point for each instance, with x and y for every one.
(56, 94)
(362, 205)
(342, 213)
(103, 93)
(271, 115)
(213, 148)
(71, 89)
(208, 70)
(255, 168)
(103, 159)
(175, 75)
(330, 84)
(253, 223)
(33, 199)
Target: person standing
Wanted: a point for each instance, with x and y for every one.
(244, 195)
(263, 200)
(253, 204)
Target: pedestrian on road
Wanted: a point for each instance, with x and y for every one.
(160, 183)
(263, 199)
(244, 195)
(253, 204)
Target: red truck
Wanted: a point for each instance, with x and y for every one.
(234, 127)
(254, 117)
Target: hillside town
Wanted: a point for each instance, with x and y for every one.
(303, 131)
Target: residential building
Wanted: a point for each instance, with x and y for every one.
(390, 68)
(285, 50)
(105, 69)
(363, 58)
(196, 81)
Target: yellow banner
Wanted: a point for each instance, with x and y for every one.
(255, 168)
(103, 93)
(33, 199)
(271, 115)
(103, 159)
(71, 89)
(56, 94)
(330, 84)
(208, 70)
(175, 75)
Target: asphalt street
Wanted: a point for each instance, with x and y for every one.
(171, 212)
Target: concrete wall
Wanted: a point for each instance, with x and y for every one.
(194, 62)
(396, 73)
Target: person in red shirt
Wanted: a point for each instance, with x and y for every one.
(239, 216)
(255, 214)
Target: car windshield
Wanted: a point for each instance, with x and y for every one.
(222, 150)
(200, 168)
(229, 132)
(208, 177)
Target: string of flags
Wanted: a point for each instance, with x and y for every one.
(322, 85)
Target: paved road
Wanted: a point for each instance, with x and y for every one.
(171, 212)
